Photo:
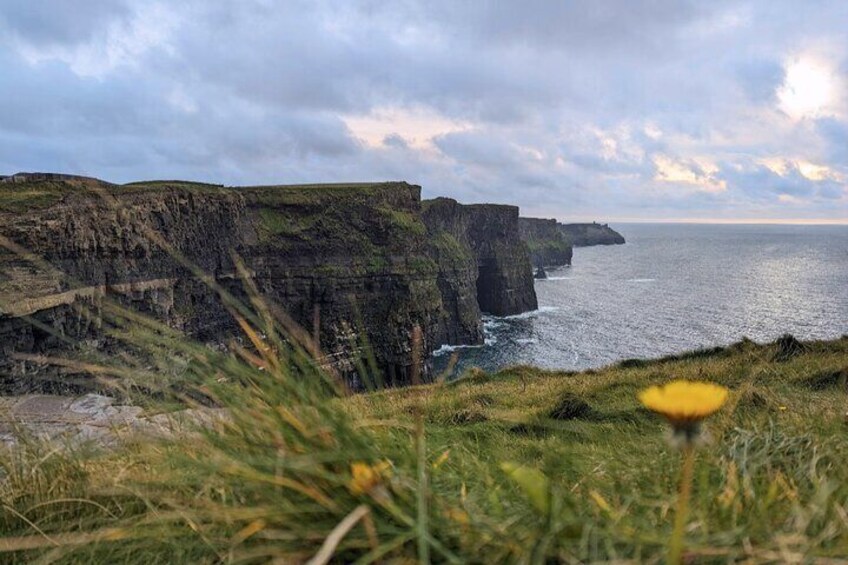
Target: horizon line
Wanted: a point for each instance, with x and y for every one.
(726, 221)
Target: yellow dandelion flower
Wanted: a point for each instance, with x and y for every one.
(365, 478)
(684, 403)
(457, 515)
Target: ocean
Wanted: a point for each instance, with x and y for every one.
(673, 288)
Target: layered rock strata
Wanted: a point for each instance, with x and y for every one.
(547, 244)
(359, 265)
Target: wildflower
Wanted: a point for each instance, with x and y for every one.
(457, 515)
(684, 404)
(367, 478)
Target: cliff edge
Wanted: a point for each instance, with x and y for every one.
(585, 235)
(548, 246)
(359, 265)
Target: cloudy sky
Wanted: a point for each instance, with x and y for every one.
(609, 110)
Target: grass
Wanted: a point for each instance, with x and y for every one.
(403, 220)
(33, 195)
(350, 220)
(158, 184)
(523, 465)
(16, 198)
(539, 246)
(450, 249)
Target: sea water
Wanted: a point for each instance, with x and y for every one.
(673, 288)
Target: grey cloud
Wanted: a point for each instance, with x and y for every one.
(836, 133)
(46, 22)
(759, 78)
(630, 25)
(479, 149)
(257, 91)
(396, 141)
(760, 182)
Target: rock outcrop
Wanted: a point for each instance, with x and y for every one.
(547, 244)
(585, 235)
(485, 237)
(358, 265)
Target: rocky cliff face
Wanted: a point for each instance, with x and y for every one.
(547, 244)
(486, 237)
(584, 235)
(354, 264)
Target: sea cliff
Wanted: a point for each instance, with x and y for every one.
(584, 235)
(358, 265)
(548, 246)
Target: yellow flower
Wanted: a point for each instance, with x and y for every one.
(457, 515)
(684, 403)
(365, 478)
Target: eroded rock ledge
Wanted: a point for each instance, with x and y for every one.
(353, 263)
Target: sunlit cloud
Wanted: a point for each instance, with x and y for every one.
(818, 172)
(812, 88)
(652, 130)
(811, 171)
(416, 126)
(700, 173)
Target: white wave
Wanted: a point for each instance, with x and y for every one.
(526, 340)
(641, 280)
(491, 323)
(555, 279)
(444, 349)
(531, 313)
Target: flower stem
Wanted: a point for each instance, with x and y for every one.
(675, 550)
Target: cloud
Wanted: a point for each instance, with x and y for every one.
(417, 127)
(42, 22)
(94, 46)
(788, 182)
(609, 109)
(697, 173)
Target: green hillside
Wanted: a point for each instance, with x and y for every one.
(524, 466)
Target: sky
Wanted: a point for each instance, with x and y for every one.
(617, 110)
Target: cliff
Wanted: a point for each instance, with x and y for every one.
(584, 235)
(355, 264)
(485, 239)
(547, 244)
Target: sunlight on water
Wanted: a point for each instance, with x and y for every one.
(673, 288)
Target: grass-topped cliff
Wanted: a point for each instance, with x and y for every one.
(582, 235)
(358, 264)
(523, 466)
(548, 246)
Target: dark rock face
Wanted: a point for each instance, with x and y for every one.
(547, 244)
(584, 235)
(353, 264)
(486, 236)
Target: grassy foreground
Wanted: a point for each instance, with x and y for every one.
(523, 466)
